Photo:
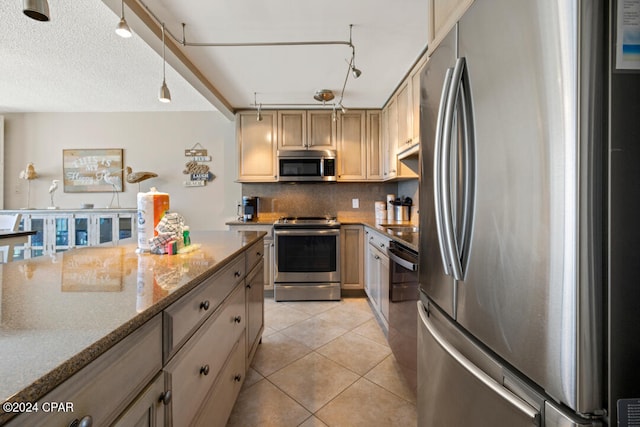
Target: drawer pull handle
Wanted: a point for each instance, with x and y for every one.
(236, 274)
(258, 254)
(248, 285)
(237, 319)
(237, 378)
(86, 421)
(204, 305)
(204, 370)
(165, 397)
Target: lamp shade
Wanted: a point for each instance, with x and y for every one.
(36, 9)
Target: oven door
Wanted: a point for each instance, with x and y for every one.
(307, 255)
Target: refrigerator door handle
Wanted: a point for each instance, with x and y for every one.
(469, 174)
(437, 176)
(445, 171)
(507, 395)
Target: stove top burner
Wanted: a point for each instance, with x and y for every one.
(308, 221)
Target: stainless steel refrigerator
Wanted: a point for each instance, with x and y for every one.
(528, 314)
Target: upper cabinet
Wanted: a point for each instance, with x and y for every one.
(443, 14)
(306, 130)
(352, 150)
(257, 145)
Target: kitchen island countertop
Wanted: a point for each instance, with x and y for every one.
(58, 313)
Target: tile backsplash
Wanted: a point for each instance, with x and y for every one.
(318, 199)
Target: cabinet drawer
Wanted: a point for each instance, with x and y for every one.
(378, 240)
(254, 255)
(185, 315)
(104, 388)
(220, 401)
(195, 367)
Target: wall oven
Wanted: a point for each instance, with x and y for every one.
(306, 165)
(307, 259)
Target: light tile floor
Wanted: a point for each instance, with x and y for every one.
(323, 364)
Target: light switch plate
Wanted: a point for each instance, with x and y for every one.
(355, 203)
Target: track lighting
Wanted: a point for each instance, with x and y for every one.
(356, 73)
(123, 29)
(165, 95)
(36, 9)
(324, 95)
(259, 118)
(344, 110)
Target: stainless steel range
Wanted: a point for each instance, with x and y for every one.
(307, 259)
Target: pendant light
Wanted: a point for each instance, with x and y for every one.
(36, 9)
(165, 95)
(123, 29)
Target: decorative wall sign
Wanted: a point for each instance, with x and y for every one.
(198, 173)
(92, 170)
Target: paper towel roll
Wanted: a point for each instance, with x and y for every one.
(151, 209)
(380, 206)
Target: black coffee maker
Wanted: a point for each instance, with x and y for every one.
(250, 208)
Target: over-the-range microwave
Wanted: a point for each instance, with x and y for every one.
(306, 165)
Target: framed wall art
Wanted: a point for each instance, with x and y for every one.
(92, 170)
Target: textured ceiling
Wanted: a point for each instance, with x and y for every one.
(75, 62)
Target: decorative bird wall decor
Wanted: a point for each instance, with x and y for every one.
(137, 177)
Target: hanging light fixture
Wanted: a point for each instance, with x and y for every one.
(324, 95)
(165, 95)
(36, 9)
(123, 29)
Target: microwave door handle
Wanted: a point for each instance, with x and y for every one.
(322, 166)
(437, 177)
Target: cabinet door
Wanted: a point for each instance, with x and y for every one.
(351, 252)
(392, 132)
(269, 264)
(148, 410)
(82, 230)
(257, 144)
(36, 246)
(374, 146)
(415, 100)
(372, 287)
(321, 130)
(59, 230)
(255, 309)
(443, 14)
(404, 116)
(351, 146)
(126, 226)
(292, 130)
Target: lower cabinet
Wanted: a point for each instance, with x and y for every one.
(352, 256)
(268, 253)
(194, 369)
(148, 410)
(103, 390)
(377, 275)
(254, 294)
(158, 376)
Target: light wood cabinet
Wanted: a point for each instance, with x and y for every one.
(102, 390)
(321, 130)
(255, 309)
(405, 124)
(352, 152)
(352, 256)
(268, 249)
(374, 146)
(442, 16)
(193, 370)
(414, 79)
(377, 274)
(306, 130)
(148, 410)
(257, 145)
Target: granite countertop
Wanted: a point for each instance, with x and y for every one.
(60, 312)
(409, 239)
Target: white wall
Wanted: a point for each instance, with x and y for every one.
(151, 142)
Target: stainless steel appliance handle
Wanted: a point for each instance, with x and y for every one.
(437, 161)
(445, 171)
(401, 261)
(469, 174)
(307, 232)
(472, 369)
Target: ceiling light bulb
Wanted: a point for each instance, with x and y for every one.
(36, 9)
(123, 29)
(259, 118)
(165, 94)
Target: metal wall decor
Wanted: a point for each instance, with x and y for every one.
(198, 172)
